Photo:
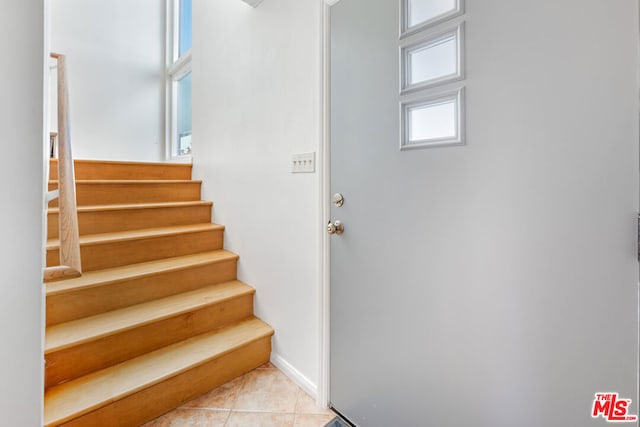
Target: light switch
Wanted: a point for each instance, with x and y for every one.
(303, 163)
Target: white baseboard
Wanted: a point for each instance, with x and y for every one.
(294, 375)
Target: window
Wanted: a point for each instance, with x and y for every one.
(431, 60)
(184, 28)
(418, 14)
(184, 115)
(179, 78)
(433, 121)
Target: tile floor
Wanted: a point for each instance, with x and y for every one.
(264, 397)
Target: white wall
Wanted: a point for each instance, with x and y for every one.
(21, 117)
(256, 100)
(116, 59)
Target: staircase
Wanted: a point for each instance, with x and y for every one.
(158, 316)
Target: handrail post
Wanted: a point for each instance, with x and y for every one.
(70, 260)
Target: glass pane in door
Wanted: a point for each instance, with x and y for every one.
(422, 11)
(431, 61)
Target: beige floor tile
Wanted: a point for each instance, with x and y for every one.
(191, 418)
(254, 398)
(223, 397)
(307, 405)
(267, 390)
(267, 365)
(312, 420)
(259, 419)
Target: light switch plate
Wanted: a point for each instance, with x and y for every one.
(303, 162)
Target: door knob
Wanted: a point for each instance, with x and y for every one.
(335, 228)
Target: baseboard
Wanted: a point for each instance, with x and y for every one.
(294, 375)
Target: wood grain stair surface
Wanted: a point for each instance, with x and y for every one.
(106, 169)
(87, 395)
(102, 290)
(77, 332)
(106, 250)
(134, 216)
(110, 192)
(78, 347)
(158, 316)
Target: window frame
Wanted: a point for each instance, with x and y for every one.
(177, 67)
(434, 91)
(431, 39)
(406, 30)
(457, 95)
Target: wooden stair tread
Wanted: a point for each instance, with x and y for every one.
(146, 233)
(112, 191)
(79, 331)
(111, 169)
(132, 271)
(132, 215)
(85, 394)
(132, 181)
(130, 163)
(134, 206)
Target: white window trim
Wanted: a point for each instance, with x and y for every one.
(406, 30)
(456, 95)
(181, 67)
(429, 39)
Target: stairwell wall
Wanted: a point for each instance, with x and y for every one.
(22, 67)
(256, 100)
(116, 59)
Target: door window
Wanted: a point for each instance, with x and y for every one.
(433, 121)
(417, 14)
(431, 61)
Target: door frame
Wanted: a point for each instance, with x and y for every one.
(324, 169)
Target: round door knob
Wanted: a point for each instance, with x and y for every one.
(331, 229)
(335, 228)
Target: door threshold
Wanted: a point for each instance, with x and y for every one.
(339, 421)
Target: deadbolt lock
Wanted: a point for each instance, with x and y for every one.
(335, 228)
(338, 200)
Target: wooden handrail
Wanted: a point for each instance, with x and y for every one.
(70, 261)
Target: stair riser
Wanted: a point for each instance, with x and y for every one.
(115, 254)
(173, 392)
(106, 170)
(108, 221)
(99, 299)
(107, 193)
(70, 363)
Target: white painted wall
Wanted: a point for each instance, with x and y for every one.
(116, 59)
(256, 100)
(21, 258)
